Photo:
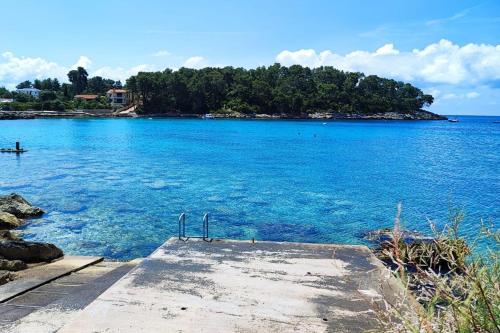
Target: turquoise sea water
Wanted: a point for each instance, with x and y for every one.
(115, 187)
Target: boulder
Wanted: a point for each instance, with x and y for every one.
(29, 251)
(9, 221)
(18, 206)
(12, 265)
(5, 276)
(8, 235)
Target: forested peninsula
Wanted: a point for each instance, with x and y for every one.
(276, 92)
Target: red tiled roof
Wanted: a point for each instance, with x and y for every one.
(114, 91)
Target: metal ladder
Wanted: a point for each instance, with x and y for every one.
(182, 229)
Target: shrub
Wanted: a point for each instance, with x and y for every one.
(458, 286)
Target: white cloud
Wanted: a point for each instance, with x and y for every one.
(161, 53)
(469, 95)
(83, 61)
(450, 96)
(472, 94)
(14, 69)
(439, 63)
(194, 62)
(433, 91)
(387, 49)
(120, 73)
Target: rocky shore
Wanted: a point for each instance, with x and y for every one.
(15, 253)
(416, 115)
(14, 115)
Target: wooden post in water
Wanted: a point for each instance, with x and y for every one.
(18, 146)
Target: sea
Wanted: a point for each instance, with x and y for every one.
(116, 187)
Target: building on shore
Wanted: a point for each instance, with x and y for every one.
(117, 97)
(33, 92)
(87, 97)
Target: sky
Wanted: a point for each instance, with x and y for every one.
(449, 48)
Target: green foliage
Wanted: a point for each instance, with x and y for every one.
(101, 103)
(50, 84)
(78, 79)
(24, 84)
(23, 98)
(4, 93)
(99, 85)
(275, 89)
(47, 95)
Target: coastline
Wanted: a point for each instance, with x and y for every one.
(416, 115)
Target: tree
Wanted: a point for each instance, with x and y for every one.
(4, 93)
(96, 85)
(276, 89)
(56, 86)
(37, 84)
(78, 79)
(67, 90)
(47, 95)
(24, 84)
(50, 84)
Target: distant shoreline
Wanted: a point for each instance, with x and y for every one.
(416, 115)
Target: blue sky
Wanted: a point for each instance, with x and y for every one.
(448, 48)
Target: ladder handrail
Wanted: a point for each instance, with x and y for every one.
(182, 226)
(182, 229)
(205, 226)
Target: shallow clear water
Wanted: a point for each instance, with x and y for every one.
(115, 187)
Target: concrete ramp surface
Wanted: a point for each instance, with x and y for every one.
(239, 286)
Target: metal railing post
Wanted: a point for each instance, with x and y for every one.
(205, 226)
(182, 226)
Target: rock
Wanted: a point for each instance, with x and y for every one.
(12, 265)
(29, 251)
(9, 221)
(7, 235)
(386, 236)
(18, 206)
(5, 276)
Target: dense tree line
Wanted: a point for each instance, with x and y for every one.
(276, 89)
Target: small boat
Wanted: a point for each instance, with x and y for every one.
(453, 120)
(496, 122)
(208, 116)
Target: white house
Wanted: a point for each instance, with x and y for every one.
(117, 97)
(30, 91)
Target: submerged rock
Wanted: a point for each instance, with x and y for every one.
(29, 251)
(9, 221)
(18, 206)
(12, 265)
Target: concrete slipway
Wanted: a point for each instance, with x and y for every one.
(239, 286)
